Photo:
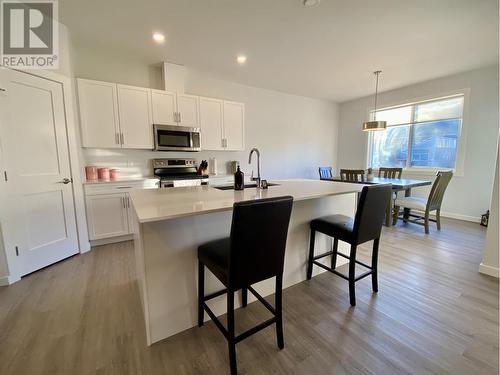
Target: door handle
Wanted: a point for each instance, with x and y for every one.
(65, 181)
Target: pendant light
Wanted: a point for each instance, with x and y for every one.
(375, 125)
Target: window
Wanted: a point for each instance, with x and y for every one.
(418, 135)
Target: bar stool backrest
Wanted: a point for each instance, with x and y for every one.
(258, 240)
(370, 212)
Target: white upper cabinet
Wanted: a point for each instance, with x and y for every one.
(222, 125)
(98, 114)
(134, 108)
(164, 107)
(120, 116)
(234, 126)
(187, 108)
(211, 118)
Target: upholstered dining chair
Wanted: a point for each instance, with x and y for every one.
(432, 203)
(325, 173)
(354, 175)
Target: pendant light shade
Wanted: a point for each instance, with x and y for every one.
(375, 125)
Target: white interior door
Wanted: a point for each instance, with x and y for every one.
(39, 221)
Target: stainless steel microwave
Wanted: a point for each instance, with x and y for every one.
(176, 138)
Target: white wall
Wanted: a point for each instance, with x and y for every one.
(468, 196)
(490, 263)
(294, 134)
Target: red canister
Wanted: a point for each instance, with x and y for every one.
(103, 174)
(91, 173)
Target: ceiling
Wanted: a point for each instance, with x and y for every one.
(328, 51)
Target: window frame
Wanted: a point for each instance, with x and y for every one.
(460, 156)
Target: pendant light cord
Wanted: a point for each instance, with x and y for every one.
(376, 91)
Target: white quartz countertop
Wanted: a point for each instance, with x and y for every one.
(170, 203)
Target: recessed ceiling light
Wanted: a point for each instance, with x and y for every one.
(158, 37)
(311, 3)
(241, 59)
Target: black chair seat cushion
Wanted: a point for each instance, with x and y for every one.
(338, 226)
(215, 256)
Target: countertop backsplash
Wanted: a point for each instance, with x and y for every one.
(137, 163)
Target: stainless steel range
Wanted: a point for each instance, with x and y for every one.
(178, 172)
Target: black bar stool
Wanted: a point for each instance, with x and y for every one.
(255, 251)
(366, 226)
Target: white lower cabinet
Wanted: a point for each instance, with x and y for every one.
(109, 210)
(107, 215)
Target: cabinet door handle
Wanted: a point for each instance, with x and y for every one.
(117, 138)
(180, 118)
(122, 138)
(128, 202)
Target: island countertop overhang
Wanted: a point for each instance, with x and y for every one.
(164, 204)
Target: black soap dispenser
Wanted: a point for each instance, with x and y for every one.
(239, 179)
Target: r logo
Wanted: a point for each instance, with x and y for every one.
(27, 28)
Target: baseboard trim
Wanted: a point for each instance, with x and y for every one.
(8, 280)
(489, 270)
(452, 215)
(105, 241)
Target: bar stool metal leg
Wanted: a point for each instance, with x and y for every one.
(311, 254)
(352, 277)
(244, 297)
(231, 343)
(335, 250)
(201, 292)
(375, 265)
(279, 313)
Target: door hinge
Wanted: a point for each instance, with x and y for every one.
(17, 251)
(5, 176)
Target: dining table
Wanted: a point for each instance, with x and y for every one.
(398, 184)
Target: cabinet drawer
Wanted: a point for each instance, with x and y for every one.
(119, 187)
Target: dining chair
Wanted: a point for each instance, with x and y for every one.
(432, 203)
(355, 175)
(325, 173)
(390, 172)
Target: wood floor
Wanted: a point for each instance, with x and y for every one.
(434, 314)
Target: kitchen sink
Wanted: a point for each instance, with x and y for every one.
(247, 186)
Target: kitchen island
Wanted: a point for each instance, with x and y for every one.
(170, 224)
